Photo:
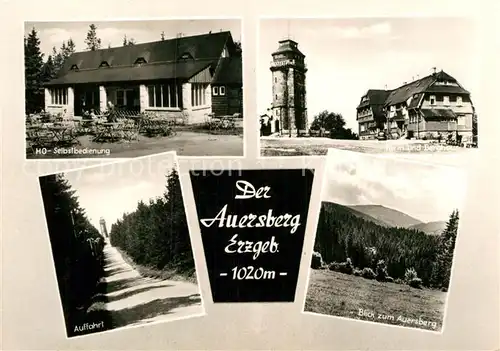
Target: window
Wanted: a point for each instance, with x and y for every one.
(277, 112)
(461, 120)
(432, 100)
(276, 96)
(459, 100)
(59, 96)
(362, 127)
(120, 98)
(104, 64)
(198, 94)
(215, 91)
(164, 95)
(446, 100)
(222, 90)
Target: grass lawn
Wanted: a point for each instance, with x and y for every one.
(343, 295)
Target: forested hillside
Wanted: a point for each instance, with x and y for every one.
(77, 248)
(342, 234)
(156, 233)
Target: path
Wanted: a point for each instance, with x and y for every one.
(132, 299)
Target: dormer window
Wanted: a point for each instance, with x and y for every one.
(74, 67)
(104, 64)
(186, 56)
(140, 61)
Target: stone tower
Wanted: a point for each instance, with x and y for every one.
(289, 108)
(104, 231)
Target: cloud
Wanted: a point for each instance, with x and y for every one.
(57, 35)
(363, 32)
(423, 191)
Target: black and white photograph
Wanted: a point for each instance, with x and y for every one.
(377, 85)
(120, 245)
(133, 88)
(385, 240)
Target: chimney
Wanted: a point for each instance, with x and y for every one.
(434, 70)
(385, 87)
(418, 76)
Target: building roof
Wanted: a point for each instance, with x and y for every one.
(415, 89)
(161, 57)
(229, 70)
(375, 97)
(438, 113)
(154, 71)
(288, 45)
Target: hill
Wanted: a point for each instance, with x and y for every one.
(388, 216)
(431, 228)
(341, 233)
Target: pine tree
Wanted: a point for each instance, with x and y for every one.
(48, 71)
(33, 65)
(127, 42)
(92, 41)
(441, 271)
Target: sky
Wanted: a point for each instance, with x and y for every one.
(109, 191)
(426, 192)
(346, 57)
(54, 33)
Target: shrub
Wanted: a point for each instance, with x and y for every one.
(399, 281)
(344, 267)
(368, 273)
(316, 261)
(389, 279)
(412, 279)
(357, 272)
(415, 283)
(381, 271)
(334, 266)
(410, 274)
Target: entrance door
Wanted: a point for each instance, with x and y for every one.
(129, 100)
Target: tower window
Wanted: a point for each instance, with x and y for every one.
(275, 79)
(276, 96)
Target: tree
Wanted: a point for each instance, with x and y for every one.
(441, 270)
(334, 123)
(48, 70)
(239, 50)
(33, 65)
(92, 41)
(59, 57)
(328, 121)
(127, 42)
(77, 248)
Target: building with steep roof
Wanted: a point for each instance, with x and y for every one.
(184, 77)
(433, 107)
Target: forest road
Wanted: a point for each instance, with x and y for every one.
(132, 299)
